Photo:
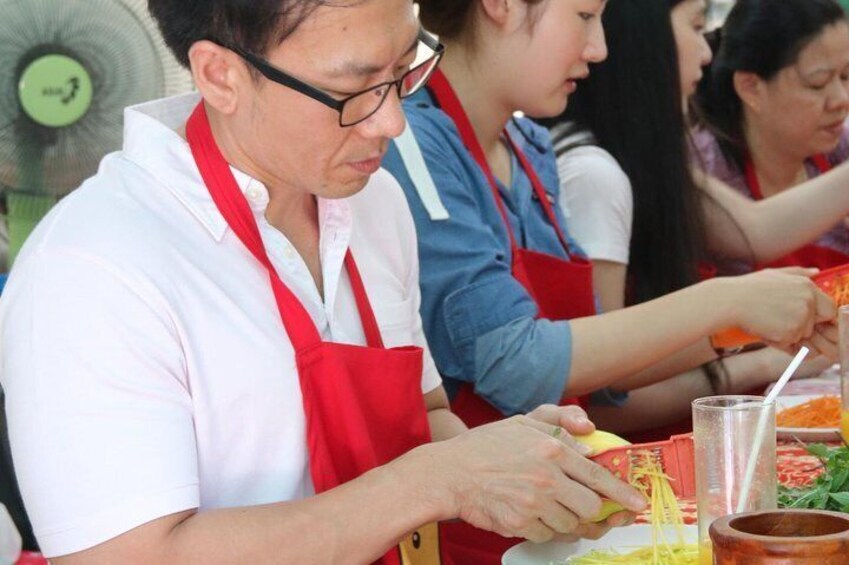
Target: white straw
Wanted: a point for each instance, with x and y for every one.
(743, 501)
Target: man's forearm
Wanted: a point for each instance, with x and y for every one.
(354, 523)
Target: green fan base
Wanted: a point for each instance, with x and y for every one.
(24, 213)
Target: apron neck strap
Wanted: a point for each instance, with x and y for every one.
(231, 203)
(370, 327)
(539, 190)
(820, 161)
(447, 99)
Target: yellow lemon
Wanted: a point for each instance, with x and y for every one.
(608, 507)
(601, 441)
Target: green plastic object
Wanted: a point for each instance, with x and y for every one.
(55, 91)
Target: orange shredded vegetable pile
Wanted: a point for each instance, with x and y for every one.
(822, 412)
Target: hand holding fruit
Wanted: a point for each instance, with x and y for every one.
(527, 477)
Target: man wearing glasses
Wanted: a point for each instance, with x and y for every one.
(212, 351)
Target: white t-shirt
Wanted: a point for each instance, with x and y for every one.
(145, 365)
(596, 198)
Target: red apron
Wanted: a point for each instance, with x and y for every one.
(811, 255)
(562, 290)
(363, 404)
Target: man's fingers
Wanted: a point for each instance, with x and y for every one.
(578, 498)
(548, 413)
(573, 419)
(621, 519)
(828, 331)
(559, 519)
(558, 432)
(536, 532)
(594, 531)
(600, 480)
(826, 308)
(819, 343)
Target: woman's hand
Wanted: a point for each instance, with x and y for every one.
(519, 478)
(784, 307)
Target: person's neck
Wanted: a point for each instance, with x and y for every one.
(466, 70)
(293, 212)
(777, 167)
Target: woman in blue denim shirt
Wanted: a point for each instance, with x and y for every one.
(481, 322)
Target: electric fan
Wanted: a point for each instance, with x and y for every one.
(67, 70)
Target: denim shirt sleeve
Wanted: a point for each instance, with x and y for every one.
(480, 322)
(523, 364)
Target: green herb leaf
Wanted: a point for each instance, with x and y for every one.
(818, 449)
(842, 499)
(830, 490)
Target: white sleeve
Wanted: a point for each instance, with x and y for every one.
(596, 198)
(99, 411)
(431, 379)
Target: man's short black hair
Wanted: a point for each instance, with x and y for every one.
(253, 25)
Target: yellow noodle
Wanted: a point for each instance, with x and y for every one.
(647, 476)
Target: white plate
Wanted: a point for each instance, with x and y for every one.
(621, 539)
(803, 434)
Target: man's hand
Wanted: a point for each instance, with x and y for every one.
(597, 530)
(573, 419)
(519, 477)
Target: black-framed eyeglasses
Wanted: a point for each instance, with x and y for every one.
(359, 106)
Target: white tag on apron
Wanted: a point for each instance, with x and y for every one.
(414, 161)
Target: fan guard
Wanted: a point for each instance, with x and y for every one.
(68, 68)
(111, 45)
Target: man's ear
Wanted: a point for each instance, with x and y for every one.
(219, 75)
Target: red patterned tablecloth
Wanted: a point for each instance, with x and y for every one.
(795, 468)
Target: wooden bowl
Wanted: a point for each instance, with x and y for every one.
(781, 537)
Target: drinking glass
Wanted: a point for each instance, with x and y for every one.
(724, 434)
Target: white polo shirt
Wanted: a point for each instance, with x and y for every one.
(145, 365)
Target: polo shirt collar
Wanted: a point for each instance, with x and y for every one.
(152, 141)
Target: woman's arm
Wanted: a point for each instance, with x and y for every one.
(663, 403)
(768, 229)
(609, 283)
(780, 307)
(443, 423)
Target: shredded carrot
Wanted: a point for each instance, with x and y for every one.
(822, 412)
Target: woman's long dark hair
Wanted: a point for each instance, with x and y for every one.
(762, 37)
(631, 103)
